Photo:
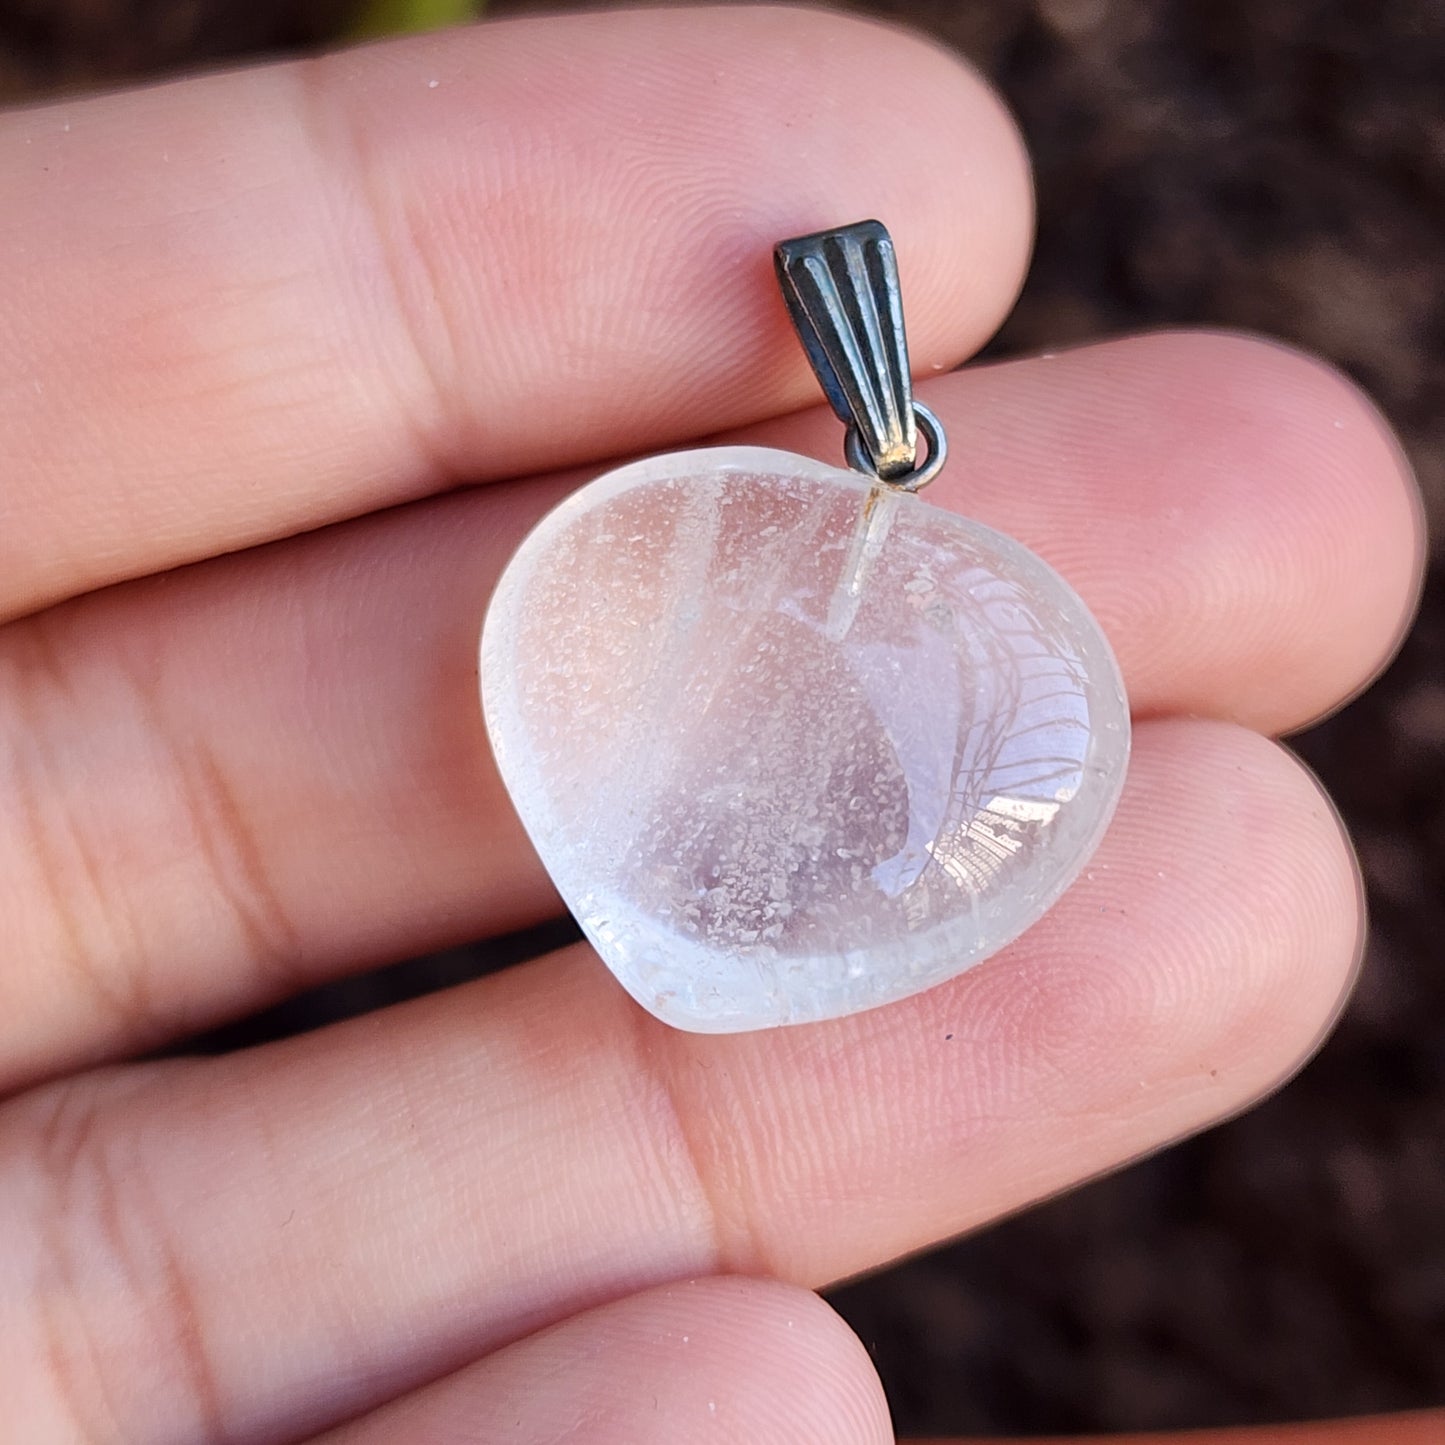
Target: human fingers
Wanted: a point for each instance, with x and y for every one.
(242, 306)
(275, 762)
(748, 1361)
(428, 1183)
(1238, 516)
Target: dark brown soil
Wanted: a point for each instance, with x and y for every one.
(49, 45)
(1277, 165)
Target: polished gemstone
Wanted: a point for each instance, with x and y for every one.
(790, 743)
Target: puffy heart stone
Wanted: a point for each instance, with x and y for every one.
(792, 744)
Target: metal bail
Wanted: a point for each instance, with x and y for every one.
(841, 288)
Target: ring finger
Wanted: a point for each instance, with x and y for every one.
(428, 1183)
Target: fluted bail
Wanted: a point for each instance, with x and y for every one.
(841, 289)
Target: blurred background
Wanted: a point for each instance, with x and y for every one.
(1276, 165)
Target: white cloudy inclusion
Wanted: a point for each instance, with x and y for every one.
(790, 744)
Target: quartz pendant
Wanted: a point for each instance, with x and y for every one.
(791, 741)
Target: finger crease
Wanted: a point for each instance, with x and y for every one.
(234, 859)
(97, 1192)
(735, 1240)
(329, 128)
(66, 864)
(72, 1352)
(227, 844)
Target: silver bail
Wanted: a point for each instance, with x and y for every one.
(841, 290)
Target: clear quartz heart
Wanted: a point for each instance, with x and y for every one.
(792, 744)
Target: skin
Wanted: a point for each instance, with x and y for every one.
(275, 346)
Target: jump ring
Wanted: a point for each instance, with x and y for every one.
(930, 429)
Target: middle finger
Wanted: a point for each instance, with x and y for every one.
(275, 763)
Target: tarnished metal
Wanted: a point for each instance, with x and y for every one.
(923, 471)
(841, 289)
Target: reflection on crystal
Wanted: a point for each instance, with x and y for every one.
(793, 746)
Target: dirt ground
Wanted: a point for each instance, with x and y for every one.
(1280, 166)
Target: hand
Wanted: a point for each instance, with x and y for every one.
(261, 334)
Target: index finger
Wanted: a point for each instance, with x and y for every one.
(241, 307)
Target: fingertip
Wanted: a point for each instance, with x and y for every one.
(1275, 909)
(663, 163)
(1351, 497)
(1238, 515)
(1196, 964)
(1319, 928)
(808, 1376)
(1312, 539)
(722, 1358)
(965, 235)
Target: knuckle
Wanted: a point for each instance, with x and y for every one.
(68, 913)
(115, 790)
(119, 1318)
